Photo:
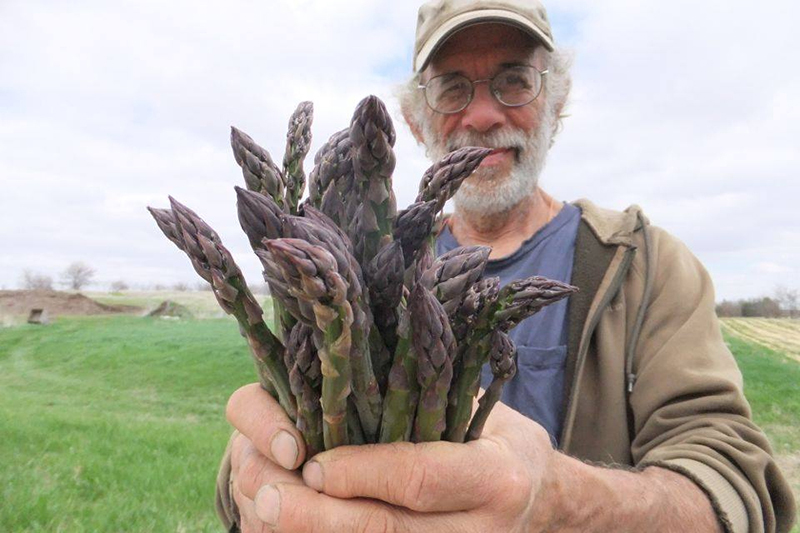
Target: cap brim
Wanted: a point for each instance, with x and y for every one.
(459, 22)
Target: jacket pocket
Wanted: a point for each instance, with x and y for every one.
(538, 388)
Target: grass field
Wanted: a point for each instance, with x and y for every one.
(780, 334)
(117, 423)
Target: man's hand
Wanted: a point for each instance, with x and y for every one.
(268, 449)
(509, 480)
(498, 483)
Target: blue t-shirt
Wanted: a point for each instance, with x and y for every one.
(538, 387)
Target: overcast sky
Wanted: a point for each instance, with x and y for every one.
(686, 108)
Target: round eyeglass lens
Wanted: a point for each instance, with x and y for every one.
(517, 86)
(449, 93)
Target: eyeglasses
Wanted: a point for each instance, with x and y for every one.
(513, 87)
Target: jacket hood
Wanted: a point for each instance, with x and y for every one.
(609, 226)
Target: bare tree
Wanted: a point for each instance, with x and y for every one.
(119, 285)
(34, 281)
(788, 299)
(728, 308)
(77, 275)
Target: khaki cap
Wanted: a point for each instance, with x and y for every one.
(439, 19)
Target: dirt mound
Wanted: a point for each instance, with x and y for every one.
(171, 309)
(56, 303)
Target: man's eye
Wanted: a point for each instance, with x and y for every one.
(515, 81)
(452, 92)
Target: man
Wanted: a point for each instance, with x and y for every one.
(631, 381)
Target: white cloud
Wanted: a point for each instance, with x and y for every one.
(685, 108)
(773, 268)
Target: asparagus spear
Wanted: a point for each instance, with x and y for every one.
(305, 378)
(366, 392)
(298, 142)
(384, 276)
(453, 273)
(214, 263)
(373, 136)
(441, 181)
(435, 346)
(311, 272)
(476, 297)
(261, 174)
(261, 217)
(503, 362)
(413, 227)
(332, 161)
(379, 353)
(515, 302)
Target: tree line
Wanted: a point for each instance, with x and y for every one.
(784, 303)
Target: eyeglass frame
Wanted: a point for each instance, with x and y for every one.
(424, 87)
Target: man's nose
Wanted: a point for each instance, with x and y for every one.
(484, 113)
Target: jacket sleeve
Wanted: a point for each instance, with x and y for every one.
(224, 502)
(697, 421)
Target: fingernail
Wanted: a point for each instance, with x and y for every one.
(312, 475)
(284, 449)
(268, 505)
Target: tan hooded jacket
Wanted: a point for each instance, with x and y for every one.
(649, 378)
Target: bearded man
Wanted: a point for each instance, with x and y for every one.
(627, 413)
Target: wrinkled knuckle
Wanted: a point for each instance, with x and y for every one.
(249, 474)
(420, 485)
(516, 485)
(377, 520)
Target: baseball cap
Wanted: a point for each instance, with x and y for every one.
(439, 19)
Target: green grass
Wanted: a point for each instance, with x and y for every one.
(772, 386)
(117, 423)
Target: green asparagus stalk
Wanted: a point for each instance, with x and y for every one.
(435, 346)
(214, 263)
(311, 273)
(402, 393)
(503, 362)
(515, 302)
(261, 174)
(373, 136)
(298, 143)
(305, 378)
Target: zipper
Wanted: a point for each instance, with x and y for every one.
(616, 283)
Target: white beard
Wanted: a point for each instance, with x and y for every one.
(487, 191)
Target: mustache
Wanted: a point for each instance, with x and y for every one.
(508, 138)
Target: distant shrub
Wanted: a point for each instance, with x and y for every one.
(33, 281)
(119, 286)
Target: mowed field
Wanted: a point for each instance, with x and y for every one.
(116, 423)
(779, 334)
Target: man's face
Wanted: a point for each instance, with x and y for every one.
(521, 135)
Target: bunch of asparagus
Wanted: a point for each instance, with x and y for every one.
(375, 338)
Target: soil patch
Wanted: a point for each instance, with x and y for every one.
(170, 309)
(57, 303)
